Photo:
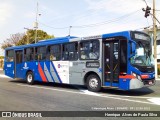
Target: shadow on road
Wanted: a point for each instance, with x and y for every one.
(48, 84)
(136, 92)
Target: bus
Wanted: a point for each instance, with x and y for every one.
(120, 60)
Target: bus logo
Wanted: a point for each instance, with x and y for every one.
(9, 65)
(25, 66)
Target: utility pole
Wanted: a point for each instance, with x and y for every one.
(36, 24)
(69, 30)
(27, 34)
(155, 39)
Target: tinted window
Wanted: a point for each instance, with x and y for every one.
(54, 52)
(28, 54)
(123, 56)
(70, 51)
(40, 53)
(19, 57)
(10, 55)
(89, 50)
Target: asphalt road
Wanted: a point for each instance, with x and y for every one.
(16, 95)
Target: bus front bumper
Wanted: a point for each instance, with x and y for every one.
(136, 83)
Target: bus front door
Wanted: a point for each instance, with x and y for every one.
(18, 64)
(111, 63)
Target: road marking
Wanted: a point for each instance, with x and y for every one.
(131, 96)
(155, 100)
(87, 93)
(4, 76)
(90, 93)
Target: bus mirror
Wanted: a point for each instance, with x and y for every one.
(133, 48)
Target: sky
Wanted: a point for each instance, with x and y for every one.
(87, 17)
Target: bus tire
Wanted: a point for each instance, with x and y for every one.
(93, 83)
(30, 78)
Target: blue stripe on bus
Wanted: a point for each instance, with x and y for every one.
(50, 73)
(56, 72)
(51, 76)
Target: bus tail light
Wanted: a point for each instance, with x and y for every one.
(144, 76)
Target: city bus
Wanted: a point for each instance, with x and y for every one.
(120, 60)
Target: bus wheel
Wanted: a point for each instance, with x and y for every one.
(30, 78)
(93, 83)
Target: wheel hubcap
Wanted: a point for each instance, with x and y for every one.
(93, 83)
(29, 78)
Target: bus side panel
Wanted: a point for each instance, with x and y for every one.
(19, 70)
(75, 72)
(60, 70)
(124, 84)
(9, 69)
(78, 70)
(31, 66)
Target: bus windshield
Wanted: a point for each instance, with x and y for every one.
(143, 54)
(143, 50)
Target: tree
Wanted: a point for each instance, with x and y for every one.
(21, 38)
(30, 37)
(12, 41)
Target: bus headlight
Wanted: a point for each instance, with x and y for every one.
(134, 74)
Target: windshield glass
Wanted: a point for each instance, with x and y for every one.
(142, 54)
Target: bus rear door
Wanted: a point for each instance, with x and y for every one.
(18, 64)
(9, 63)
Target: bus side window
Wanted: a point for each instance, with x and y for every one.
(89, 50)
(70, 51)
(54, 53)
(40, 53)
(9, 55)
(28, 54)
(94, 50)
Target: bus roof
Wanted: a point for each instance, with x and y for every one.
(72, 38)
(44, 42)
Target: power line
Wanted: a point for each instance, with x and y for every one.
(95, 24)
(106, 22)
(53, 27)
(144, 27)
(145, 2)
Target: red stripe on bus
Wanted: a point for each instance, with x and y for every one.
(127, 76)
(40, 70)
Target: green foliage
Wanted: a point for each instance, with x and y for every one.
(1, 57)
(30, 37)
